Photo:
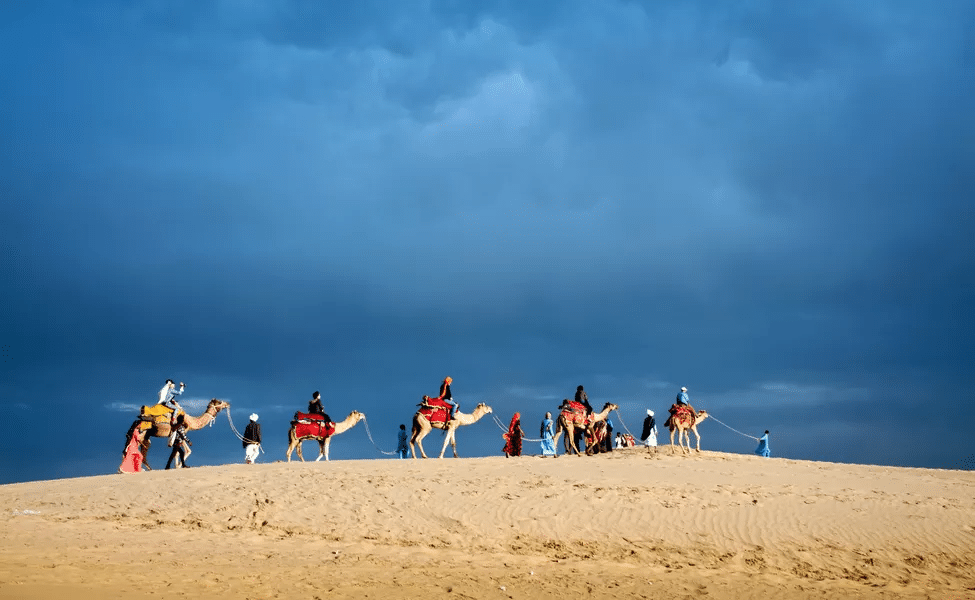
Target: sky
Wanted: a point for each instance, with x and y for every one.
(768, 203)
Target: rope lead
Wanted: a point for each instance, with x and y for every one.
(369, 435)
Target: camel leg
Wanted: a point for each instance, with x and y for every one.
(569, 441)
(451, 439)
(323, 449)
(419, 443)
(697, 434)
(298, 450)
(446, 440)
(672, 449)
(144, 447)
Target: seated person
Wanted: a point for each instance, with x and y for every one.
(315, 407)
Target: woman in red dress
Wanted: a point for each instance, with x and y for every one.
(512, 439)
(132, 461)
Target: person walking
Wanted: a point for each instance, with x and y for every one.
(132, 459)
(608, 440)
(649, 435)
(763, 449)
(548, 435)
(181, 446)
(252, 440)
(401, 446)
(512, 439)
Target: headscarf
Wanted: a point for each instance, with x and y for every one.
(512, 439)
(514, 423)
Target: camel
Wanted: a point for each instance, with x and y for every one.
(294, 442)
(569, 427)
(422, 426)
(163, 428)
(682, 425)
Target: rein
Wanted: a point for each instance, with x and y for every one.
(369, 435)
(232, 428)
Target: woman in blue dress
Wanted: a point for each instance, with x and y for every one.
(762, 449)
(548, 436)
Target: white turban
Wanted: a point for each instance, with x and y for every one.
(649, 412)
(253, 416)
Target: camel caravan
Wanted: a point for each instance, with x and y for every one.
(577, 421)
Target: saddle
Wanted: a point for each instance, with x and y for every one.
(435, 410)
(575, 413)
(301, 417)
(157, 414)
(312, 425)
(316, 428)
(680, 412)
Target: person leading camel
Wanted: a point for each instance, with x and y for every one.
(512, 439)
(132, 459)
(649, 435)
(252, 440)
(763, 449)
(402, 447)
(548, 435)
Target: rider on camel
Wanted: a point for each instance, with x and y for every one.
(315, 407)
(446, 396)
(583, 399)
(683, 400)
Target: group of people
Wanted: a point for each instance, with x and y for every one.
(178, 441)
(515, 434)
(251, 439)
(648, 437)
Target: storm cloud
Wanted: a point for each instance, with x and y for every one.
(768, 204)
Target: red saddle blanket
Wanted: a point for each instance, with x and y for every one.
(435, 410)
(679, 411)
(575, 414)
(313, 427)
(300, 416)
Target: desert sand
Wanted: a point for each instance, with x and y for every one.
(626, 524)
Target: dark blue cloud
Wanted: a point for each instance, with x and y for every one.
(269, 200)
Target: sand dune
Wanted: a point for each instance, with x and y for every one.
(628, 524)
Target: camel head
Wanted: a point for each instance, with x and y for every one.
(609, 406)
(218, 405)
(482, 407)
(356, 416)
